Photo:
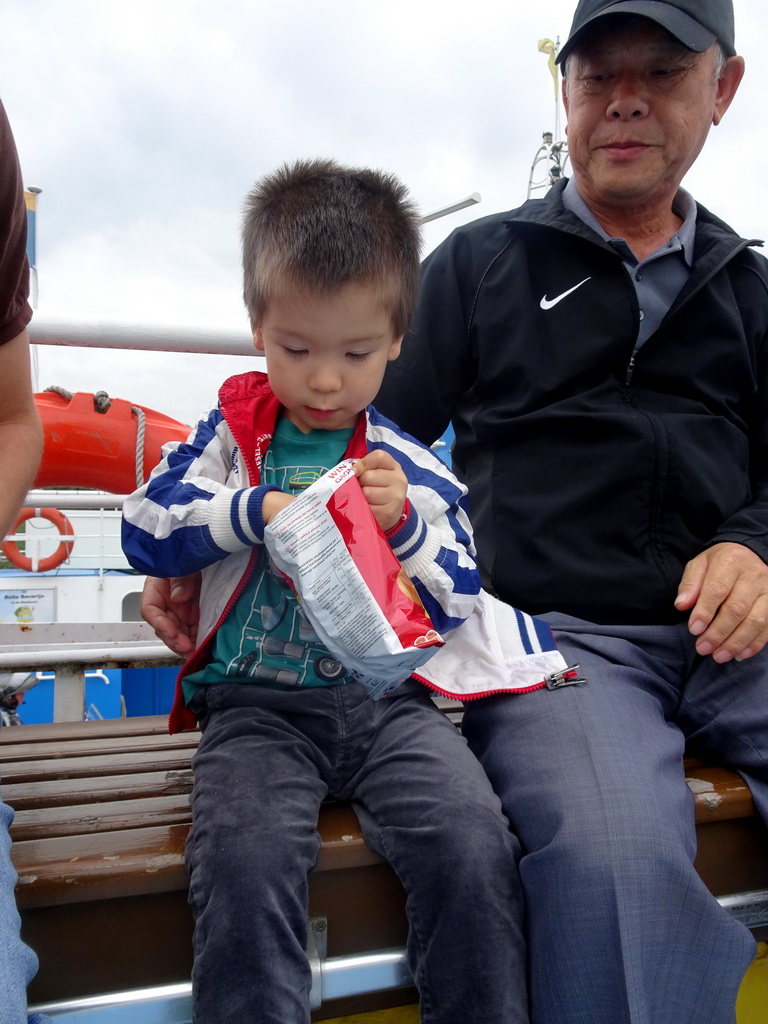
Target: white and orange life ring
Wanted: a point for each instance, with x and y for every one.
(62, 552)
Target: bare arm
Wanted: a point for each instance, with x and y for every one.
(21, 436)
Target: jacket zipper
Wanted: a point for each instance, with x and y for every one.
(179, 708)
(565, 677)
(554, 681)
(630, 370)
(733, 252)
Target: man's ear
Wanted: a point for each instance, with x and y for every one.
(394, 348)
(727, 84)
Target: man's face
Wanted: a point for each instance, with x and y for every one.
(639, 108)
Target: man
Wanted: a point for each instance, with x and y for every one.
(13, 686)
(602, 355)
(20, 449)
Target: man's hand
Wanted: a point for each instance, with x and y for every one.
(172, 608)
(726, 587)
(384, 486)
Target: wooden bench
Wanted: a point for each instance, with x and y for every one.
(102, 814)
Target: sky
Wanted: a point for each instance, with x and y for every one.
(145, 122)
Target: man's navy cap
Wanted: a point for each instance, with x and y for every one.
(697, 24)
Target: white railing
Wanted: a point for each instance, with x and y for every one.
(62, 330)
(74, 649)
(71, 648)
(77, 500)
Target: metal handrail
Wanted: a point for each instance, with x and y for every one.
(172, 1004)
(76, 500)
(339, 977)
(73, 647)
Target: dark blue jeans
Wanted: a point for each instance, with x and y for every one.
(265, 762)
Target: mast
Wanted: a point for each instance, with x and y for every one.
(550, 159)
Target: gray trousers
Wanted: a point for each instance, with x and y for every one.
(621, 930)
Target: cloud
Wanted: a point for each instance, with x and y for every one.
(146, 123)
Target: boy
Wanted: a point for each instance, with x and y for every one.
(331, 268)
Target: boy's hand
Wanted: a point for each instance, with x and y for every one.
(274, 502)
(384, 486)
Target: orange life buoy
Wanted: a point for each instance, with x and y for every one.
(63, 551)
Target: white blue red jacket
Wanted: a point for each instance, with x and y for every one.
(201, 509)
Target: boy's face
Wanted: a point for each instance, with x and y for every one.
(326, 355)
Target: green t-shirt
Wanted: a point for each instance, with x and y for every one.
(266, 638)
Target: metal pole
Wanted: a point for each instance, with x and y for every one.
(443, 211)
(35, 191)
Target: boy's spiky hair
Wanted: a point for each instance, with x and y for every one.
(314, 226)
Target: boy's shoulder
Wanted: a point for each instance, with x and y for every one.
(379, 424)
(380, 428)
(420, 463)
(252, 383)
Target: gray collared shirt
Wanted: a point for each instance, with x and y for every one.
(660, 276)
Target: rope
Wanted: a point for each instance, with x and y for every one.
(141, 418)
(101, 403)
(60, 391)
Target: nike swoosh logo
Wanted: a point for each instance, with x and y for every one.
(549, 303)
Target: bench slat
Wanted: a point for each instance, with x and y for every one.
(722, 793)
(111, 864)
(65, 869)
(97, 765)
(58, 792)
(143, 725)
(719, 794)
(87, 819)
(58, 750)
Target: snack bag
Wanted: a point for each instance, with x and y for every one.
(359, 600)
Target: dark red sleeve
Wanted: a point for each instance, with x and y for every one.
(15, 311)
